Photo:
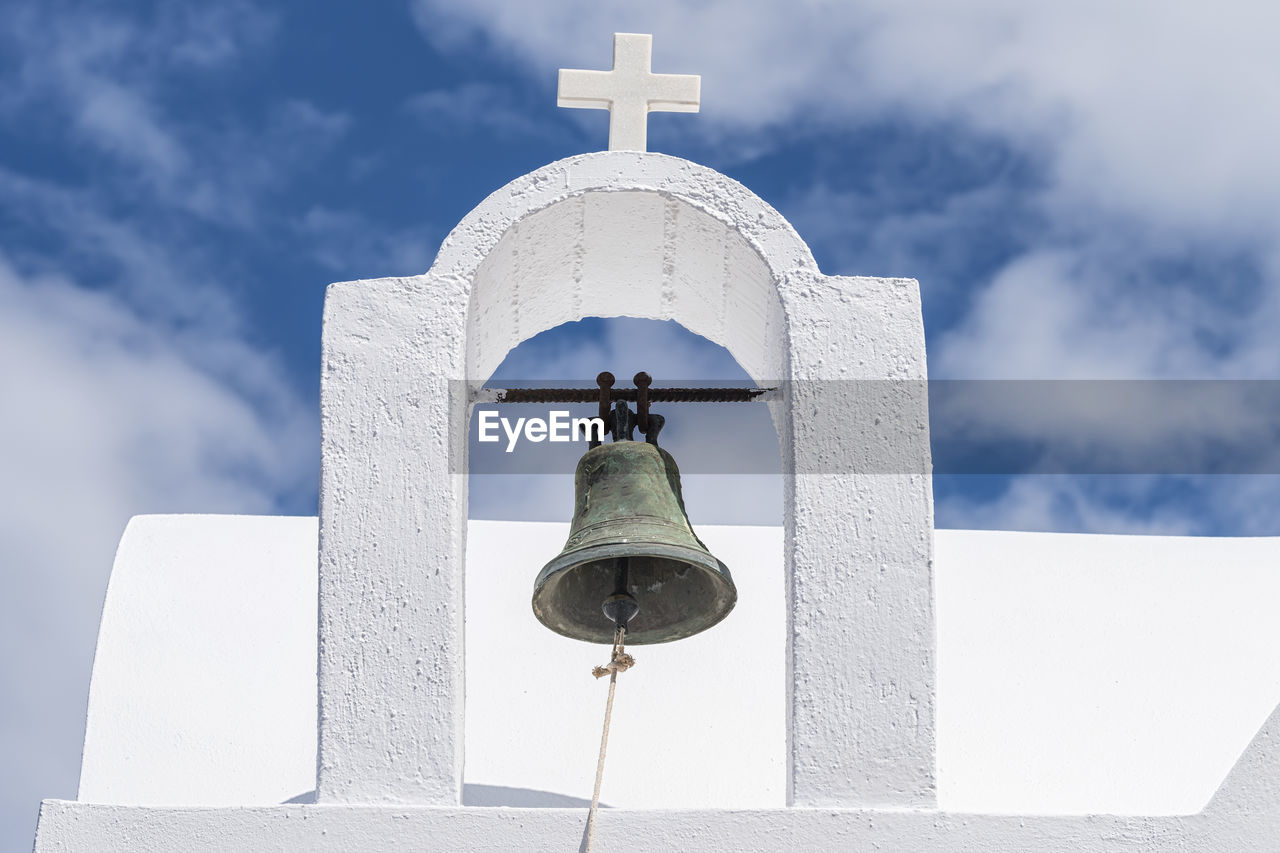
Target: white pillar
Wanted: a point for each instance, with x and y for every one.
(393, 507)
(859, 545)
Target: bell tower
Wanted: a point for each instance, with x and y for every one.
(652, 236)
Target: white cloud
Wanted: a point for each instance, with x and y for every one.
(1048, 314)
(1096, 311)
(99, 72)
(1164, 506)
(1162, 111)
(891, 230)
(123, 123)
(142, 266)
(1067, 505)
(117, 84)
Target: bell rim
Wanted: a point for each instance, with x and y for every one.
(701, 560)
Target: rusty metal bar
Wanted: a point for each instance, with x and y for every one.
(592, 395)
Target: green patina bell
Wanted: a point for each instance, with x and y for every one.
(630, 544)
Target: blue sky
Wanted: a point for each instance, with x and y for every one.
(1084, 190)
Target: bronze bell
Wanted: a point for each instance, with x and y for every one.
(631, 544)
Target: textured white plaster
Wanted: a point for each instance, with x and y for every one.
(859, 545)
(748, 294)
(622, 242)
(392, 525)
(1089, 673)
(694, 271)
(77, 826)
(203, 688)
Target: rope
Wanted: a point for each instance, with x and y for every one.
(619, 661)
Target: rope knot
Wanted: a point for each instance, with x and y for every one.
(621, 662)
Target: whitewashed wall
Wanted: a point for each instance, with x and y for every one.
(1077, 674)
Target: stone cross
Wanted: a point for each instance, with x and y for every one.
(629, 92)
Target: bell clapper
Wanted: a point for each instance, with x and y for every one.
(620, 607)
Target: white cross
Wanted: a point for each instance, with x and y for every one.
(629, 92)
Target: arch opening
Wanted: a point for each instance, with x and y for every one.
(537, 728)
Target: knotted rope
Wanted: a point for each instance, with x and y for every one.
(619, 661)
